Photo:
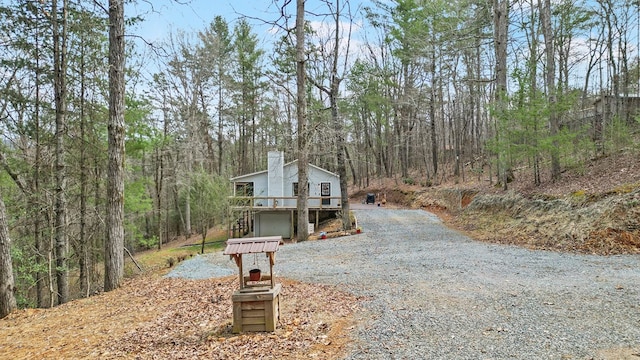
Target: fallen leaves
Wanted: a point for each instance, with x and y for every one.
(615, 241)
(152, 317)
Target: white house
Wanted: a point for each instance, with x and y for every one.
(268, 198)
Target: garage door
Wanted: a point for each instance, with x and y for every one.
(273, 224)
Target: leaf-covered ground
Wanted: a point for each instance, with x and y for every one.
(151, 317)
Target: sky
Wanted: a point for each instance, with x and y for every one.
(163, 17)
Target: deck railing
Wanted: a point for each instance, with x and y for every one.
(282, 202)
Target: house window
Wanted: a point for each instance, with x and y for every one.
(244, 189)
(325, 191)
(295, 189)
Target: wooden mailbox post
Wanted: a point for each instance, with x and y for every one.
(256, 305)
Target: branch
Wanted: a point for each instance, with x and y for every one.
(280, 85)
(156, 49)
(320, 87)
(98, 4)
(274, 23)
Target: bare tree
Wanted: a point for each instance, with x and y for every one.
(303, 155)
(333, 91)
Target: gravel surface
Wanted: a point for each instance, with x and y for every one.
(200, 267)
(433, 293)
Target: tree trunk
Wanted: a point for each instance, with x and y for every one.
(7, 286)
(342, 165)
(501, 28)
(349, 160)
(60, 90)
(84, 258)
(550, 74)
(533, 71)
(36, 202)
(159, 175)
(220, 121)
(158, 178)
(114, 244)
(432, 126)
(406, 108)
(187, 200)
(303, 156)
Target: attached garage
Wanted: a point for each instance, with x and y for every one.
(273, 223)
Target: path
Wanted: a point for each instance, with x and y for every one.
(432, 293)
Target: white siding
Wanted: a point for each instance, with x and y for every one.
(275, 174)
(259, 187)
(316, 177)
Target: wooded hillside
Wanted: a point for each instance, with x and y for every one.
(423, 92)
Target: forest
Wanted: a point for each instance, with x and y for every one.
(419, 91)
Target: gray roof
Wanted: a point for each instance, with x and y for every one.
(253, 245)
(285, 165)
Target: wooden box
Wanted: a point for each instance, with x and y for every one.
(256, 309)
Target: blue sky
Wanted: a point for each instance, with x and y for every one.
(165, 16)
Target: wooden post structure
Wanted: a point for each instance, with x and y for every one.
(256, 305)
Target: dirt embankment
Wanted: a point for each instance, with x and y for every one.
(594, 209)
(577, 223)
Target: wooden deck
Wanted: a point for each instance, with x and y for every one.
(256, 203)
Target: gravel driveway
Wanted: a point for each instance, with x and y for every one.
(433, 293)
